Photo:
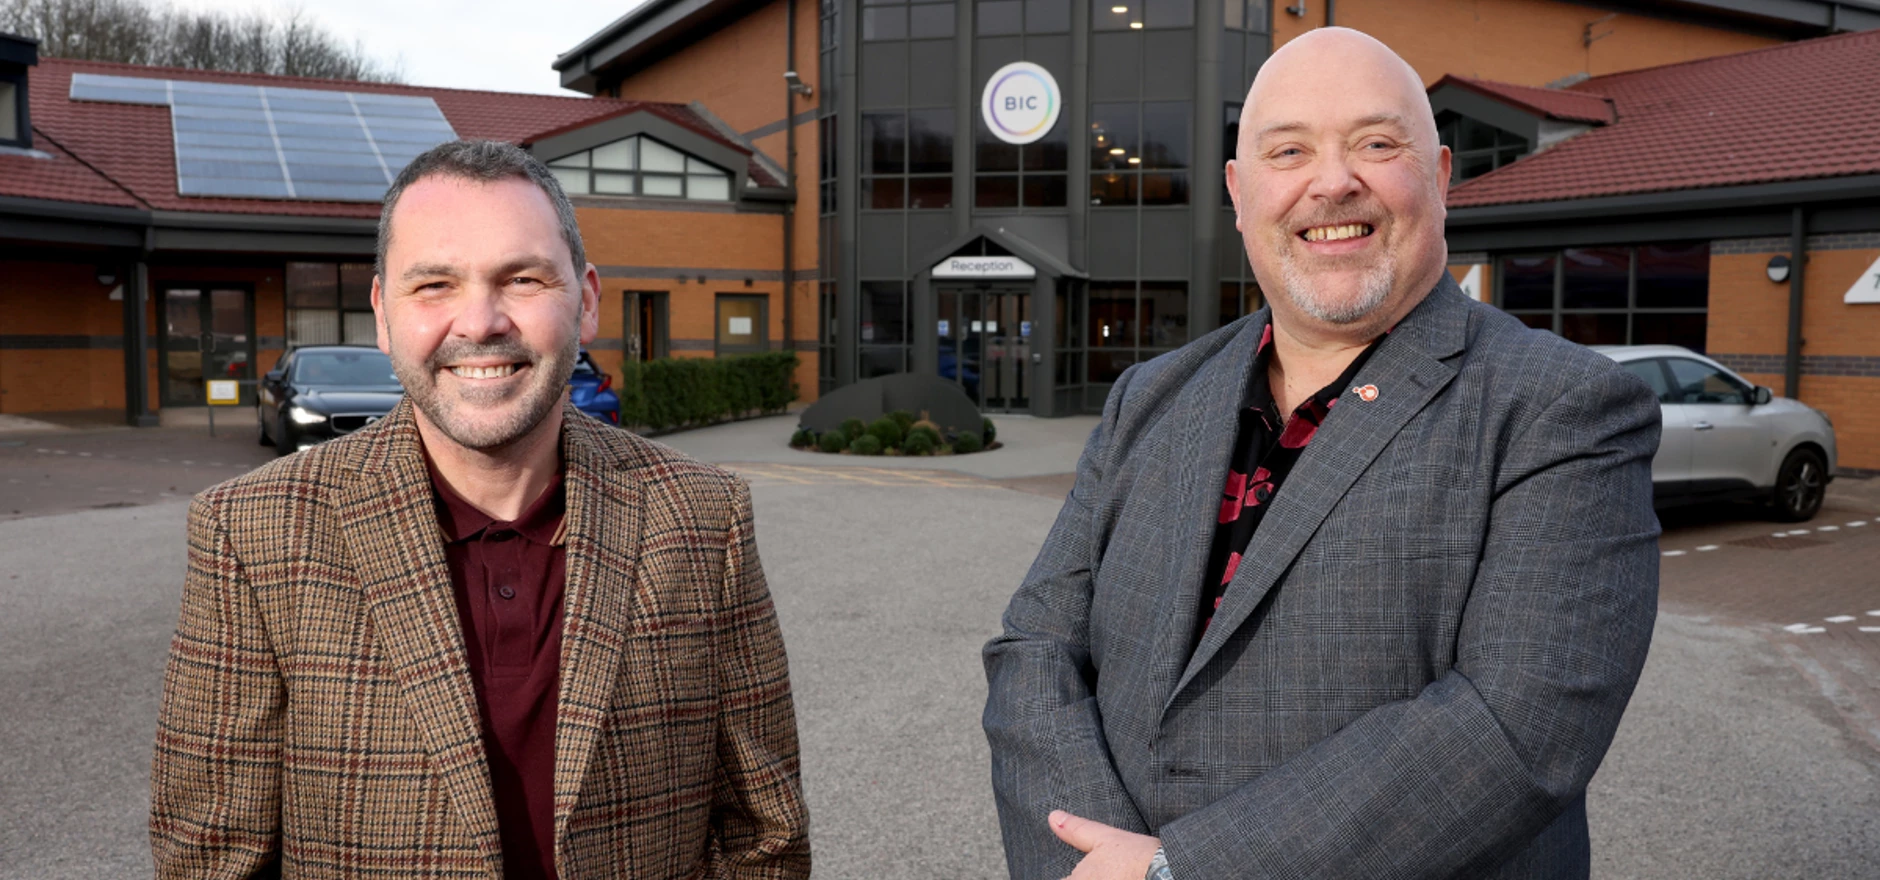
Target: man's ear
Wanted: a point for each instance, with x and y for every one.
(1233, 189)
(590, 304)
(378, 314)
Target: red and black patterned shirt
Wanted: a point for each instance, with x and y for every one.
(1265, 450)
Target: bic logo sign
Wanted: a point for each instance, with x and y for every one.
(1021, 102)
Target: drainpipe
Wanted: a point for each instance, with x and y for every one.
(789, 178)
(1792, 364)
(137, 412)
(1331, 13)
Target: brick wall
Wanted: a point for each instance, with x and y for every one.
(60, 337)
(1527, 42)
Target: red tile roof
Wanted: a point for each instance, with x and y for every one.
(1791, 112)
(1552, 103)
(123, 155)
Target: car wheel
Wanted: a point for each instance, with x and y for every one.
(261, 428)
(1801, 486)
(284, 444)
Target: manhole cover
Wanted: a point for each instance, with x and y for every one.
(1772, 543)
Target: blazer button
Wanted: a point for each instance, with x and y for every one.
(506, 592)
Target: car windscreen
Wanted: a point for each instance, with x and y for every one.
(361, 369)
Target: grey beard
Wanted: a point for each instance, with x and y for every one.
(1375, 289)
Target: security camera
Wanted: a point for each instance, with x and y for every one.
(797, 84)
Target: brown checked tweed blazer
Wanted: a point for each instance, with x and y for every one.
(318, 715)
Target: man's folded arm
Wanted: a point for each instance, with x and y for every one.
(1550, 646)
(758, 813)
(215, 779)
(1041, 719)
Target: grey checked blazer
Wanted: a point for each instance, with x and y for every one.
(1419, 664)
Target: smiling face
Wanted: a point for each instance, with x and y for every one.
(481, 308)
(1339, 184)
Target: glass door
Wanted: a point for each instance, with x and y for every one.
(985, 346)
(208, 333)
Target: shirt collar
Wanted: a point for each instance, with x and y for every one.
(460, 521)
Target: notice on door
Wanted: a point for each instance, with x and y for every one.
(984, 267)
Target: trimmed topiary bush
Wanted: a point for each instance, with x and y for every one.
(832, 441)
(967, 442)
(918, 443)
(865, 445)
(992, 431)
(803, 437)
(887, 431)
(934, 440)
(903, 418)
(853, 428)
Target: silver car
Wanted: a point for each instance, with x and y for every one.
(1727, 439)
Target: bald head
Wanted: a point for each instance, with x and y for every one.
(1339, 59)
(1338, 186)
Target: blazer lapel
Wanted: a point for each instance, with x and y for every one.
(390, 525)
(1408, 371)
(1207, 415)
(603, 535)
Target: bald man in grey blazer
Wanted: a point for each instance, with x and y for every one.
(1357, 586)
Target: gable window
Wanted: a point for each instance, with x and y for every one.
(1478, 147)
(641, 166)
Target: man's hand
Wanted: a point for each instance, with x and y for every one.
(1109, 853)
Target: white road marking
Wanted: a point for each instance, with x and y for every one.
(1791, 531)
(1780, 535)
(1796, 627)
(1812, 630)
(85, 454)
(1874, 613)
(1828, 529)
(1857, 524)
(1674, 553)
(1706, 548)
(42, 450)
(1870, 629)
(1840, 618)
(135, 491)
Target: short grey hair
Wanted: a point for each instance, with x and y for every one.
(483, 162)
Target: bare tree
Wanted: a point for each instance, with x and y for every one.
(135, 32)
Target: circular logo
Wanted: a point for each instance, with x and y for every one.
(1021, 102)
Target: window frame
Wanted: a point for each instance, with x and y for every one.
(22, 117)
(639, 174)
(761, 325)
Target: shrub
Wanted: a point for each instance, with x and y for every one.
(832, 441)
(924, 423)
(967, 442)
(803, 437)
(918, 443)
(887, 431)
(853, 428)
(934, 440)
(992, 431)
(865, 445)
(678, 392)
(903, 418)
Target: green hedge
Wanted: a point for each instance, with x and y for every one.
(689, 392)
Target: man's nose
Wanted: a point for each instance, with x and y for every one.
(483, 316)
(1332, 178)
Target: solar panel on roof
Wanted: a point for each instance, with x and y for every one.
(278, 143)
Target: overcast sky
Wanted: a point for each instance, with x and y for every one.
(465, 44)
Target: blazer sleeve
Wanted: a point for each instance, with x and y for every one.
(215, 780)
(1041, 718)
(759, 822)
(1549, 648)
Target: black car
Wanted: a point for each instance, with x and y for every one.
(323, 391)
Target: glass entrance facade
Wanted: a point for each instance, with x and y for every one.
(208, 333)
(1121, 203)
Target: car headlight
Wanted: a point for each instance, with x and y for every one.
(303, 416)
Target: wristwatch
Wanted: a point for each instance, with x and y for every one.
(1158, 867)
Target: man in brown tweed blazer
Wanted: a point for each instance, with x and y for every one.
(487, 637)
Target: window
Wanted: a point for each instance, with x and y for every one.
(884, 328)
(907, 160)
(1696, 382)
(1478, 148)
(1246, 15)
(1129, 321)
(10, 128)
(900, 20)
(1654, 375)
(1139, 153)
(330, 304)
(1628, 295)
(641, 166)
(743, 323)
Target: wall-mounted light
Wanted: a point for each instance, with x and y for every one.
(1778, 268)
(1298, 9)
(797, 84)
(106, 277)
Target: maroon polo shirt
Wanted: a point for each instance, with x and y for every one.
(507, 579)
